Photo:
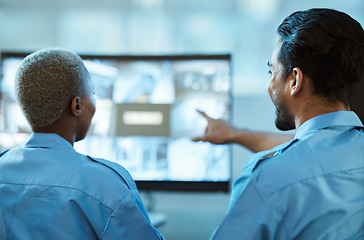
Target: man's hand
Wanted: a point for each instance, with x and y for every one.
(218, 131)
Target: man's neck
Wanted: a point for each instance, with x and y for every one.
(315, 108)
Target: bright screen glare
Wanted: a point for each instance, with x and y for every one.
(145, 115)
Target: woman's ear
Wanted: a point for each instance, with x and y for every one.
(76, 106)
(297, 81)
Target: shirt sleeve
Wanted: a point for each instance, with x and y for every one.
(252, 217)
(128, 222)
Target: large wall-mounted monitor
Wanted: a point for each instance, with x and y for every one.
(145, 117)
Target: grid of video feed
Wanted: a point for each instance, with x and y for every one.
(145, 114)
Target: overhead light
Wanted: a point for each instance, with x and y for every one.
(260, 9)
(150, 3)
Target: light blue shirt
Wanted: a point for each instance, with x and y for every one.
(49, 191)
(312, 188)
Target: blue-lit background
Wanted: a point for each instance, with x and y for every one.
(244, 28)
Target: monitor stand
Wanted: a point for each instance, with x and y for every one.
(156, 218)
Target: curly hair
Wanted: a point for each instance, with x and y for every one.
(46, 82)
(328, 46)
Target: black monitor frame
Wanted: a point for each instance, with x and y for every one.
(193, 186)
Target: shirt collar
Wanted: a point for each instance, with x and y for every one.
(333, 119)
(48, 140)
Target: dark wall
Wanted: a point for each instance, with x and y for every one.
(357, 104)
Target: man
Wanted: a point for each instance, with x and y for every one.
(311, 187)
(47, 189)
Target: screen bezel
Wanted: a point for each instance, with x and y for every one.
(164, 185)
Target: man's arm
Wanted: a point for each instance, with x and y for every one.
(219, 131)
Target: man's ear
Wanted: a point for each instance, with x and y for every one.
(296, 81)
(76, 106)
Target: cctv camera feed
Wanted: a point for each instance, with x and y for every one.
(146, 114)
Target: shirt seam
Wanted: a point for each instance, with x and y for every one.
(56, 186)
(112, 213)
(316, 176)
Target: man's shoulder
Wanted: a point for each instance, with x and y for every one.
(323, 153)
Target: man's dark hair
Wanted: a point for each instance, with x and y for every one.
(328, 46)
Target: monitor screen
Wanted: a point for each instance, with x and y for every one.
(145, 117)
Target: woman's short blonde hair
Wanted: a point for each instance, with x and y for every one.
(46, 82)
